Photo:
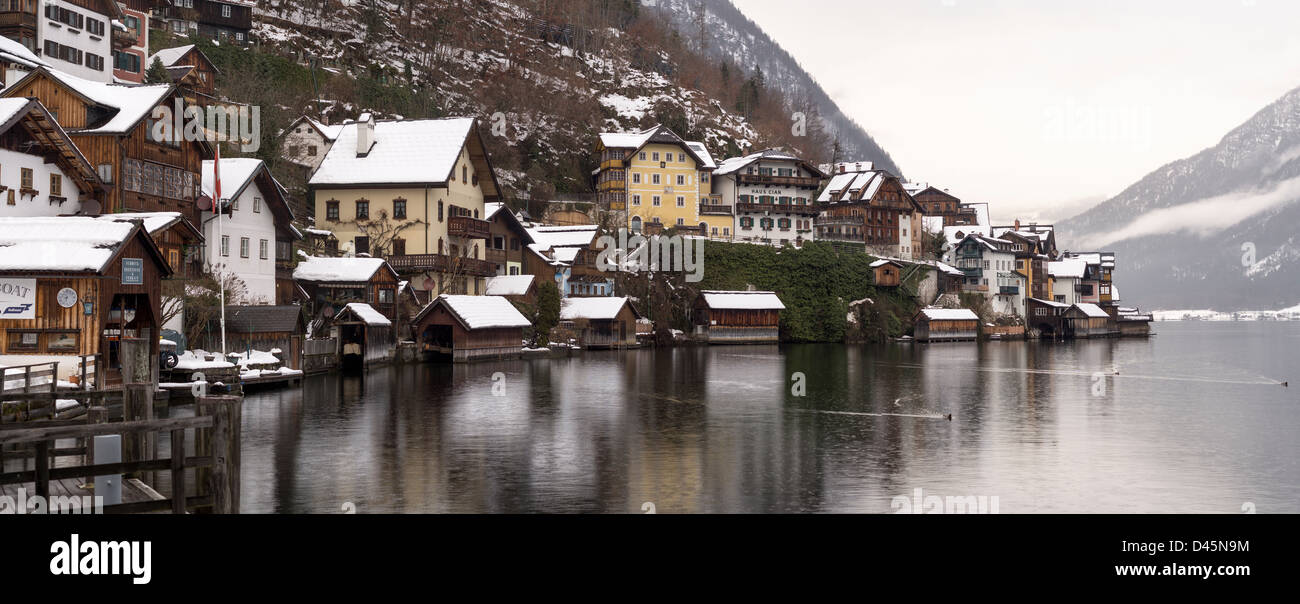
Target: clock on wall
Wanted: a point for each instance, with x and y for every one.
(67, 297)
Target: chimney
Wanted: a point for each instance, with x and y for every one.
(365, 134)
(1017, 224)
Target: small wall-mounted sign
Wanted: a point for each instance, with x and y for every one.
(132, 271)
(89, 307)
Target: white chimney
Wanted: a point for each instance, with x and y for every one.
(365, 134)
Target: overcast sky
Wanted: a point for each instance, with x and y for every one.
(1040, 106)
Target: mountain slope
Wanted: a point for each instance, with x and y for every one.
(1214, 230)
(726, 33)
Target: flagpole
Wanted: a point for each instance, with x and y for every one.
(216, 209)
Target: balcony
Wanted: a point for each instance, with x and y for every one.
(808, 210)
(496, 256)
(715, 209)
(1009, 290)
(442, 263)
(467, 226)
(17, 18)
(839, 221)
(790, 181)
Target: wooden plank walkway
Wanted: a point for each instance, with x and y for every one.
(133, 491)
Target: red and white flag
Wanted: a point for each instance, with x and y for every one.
(216, 171)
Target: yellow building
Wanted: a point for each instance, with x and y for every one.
(412, 192)
(660, 181)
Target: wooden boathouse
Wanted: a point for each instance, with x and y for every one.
(261, 328)
(600, 322)
(887, 273)
(469, 328)
(1046, 318)
(738, 317)
(946, 325)
(364, 336)
(1086, 320)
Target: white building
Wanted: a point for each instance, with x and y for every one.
(306, 141)
(989, 266)
(256, 235)
(17, 61)
(770, 194)
(78, 39)
(42, 173)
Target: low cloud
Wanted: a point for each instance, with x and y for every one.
(1203, 217)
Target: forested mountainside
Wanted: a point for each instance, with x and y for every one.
(545, 76)
(1215, 230)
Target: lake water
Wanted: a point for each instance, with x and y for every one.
(1191, 420)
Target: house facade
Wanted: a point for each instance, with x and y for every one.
(306, 141)
(990, 268)
(76, 36)
(508, 240)
(660, 181)
(254, 237)
(863, 205)
(42, 173)
(130, 60)
(770, 194)
(414, 192)
(567, 255)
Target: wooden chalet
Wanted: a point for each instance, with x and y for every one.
(515, 288)
(179, 239)
(29, 135)
(365, 336)
(567, 254)
(111, 125)
(189, 69)
(331, 283)
(470, 328)
(75, 285)
(887, 273)
(600, 322)
(738, 317)
(935, 202)
(262, 328)
(945, 325)
(507, 241)
(873, 208)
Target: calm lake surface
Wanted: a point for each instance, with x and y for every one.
(1194, 421)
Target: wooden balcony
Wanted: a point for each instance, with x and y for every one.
(808, 210)
(468, 226)
(442, 263)
(17, 18)
(839, 221)
(496, 256)
(715, 209)
(790, 181)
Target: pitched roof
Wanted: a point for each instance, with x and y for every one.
(563, 236)
(949, 314)
(742, 300)
(17, 53)
(286, 318)
(130, 104)
(490, 210)
(365, 313)
(600, 308)
(72, 244)
(1070, 268)
(405, 152)
(45, 130)
(338, 270)
(1092, 311)
(509, 285)
(478, 312)
(169, 56)
(706, 160)
(735, 164)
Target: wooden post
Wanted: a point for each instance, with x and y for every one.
(43, 469)
(137, 405)
(178, 471)
(223, 441)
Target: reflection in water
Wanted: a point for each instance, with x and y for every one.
(1192, 422)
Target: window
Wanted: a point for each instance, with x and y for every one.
(262, 249)
(399, 209)
(27, 179)
(681, 180)
(311, 150)
(243, 247)
(655, 156)
(704, 178)
(440, 212)
(332, 210)
(61, 340)
(681, 201)
(126, 61)
(95, 62)
(257, 204)
(399, 247)
(681, 221)
(654, 179)
(56, 185)
(464, 174)
(225, 11)
(641, 156)
(726, 231)
(24, 340)
(636, 178)
(225, 245)
(654, 201)
(363, 209)
(668, 158)
(362, 244)
(636, 200)
(514, 243)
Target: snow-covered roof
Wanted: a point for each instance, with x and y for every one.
(1092, 310)
(884, 261)
(133, 103)
(169, 56)
(563, 236)
(1051, 303)
(236, 172)
(1070, 268)
(734, 164)
(330, 133)
(483, 312)
(742, 300)
(404, 152)
(491, 208)
(509, 285)
(154, 222)
(11, 106)
(950, 314)
(337, 270)
(366, 313)
(706, 160)
(625, 140)
(591, 308)
(63, 243)
(17, 53)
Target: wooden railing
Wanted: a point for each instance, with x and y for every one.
(468, 226)
(442, 263)
(718, 209)
(13, 18)
(768, 179)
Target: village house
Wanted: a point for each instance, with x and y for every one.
(862, 205)
(130, 59)
(75, 285)
(1067, 280)
(331, 283)
(990, 268)
(189, 69)
(78, 37)
(659, 180)
(1096, 285)
(738, 317)
(941, 204)
(470, 328)
(255, 237)
(1086, 320)
(110, 124)
(567, 254)
(413, 192)
(364, 335)
(16, 60)
(770, 193)
(1045, 318)
(307, 140)
(265, 328)
(223, 21)
(508, 240)
(600, 322)
(42, 173)
(945, 325)
(887, 273)
(515, 288)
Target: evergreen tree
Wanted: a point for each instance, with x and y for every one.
(548, 311)
(157, 74)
